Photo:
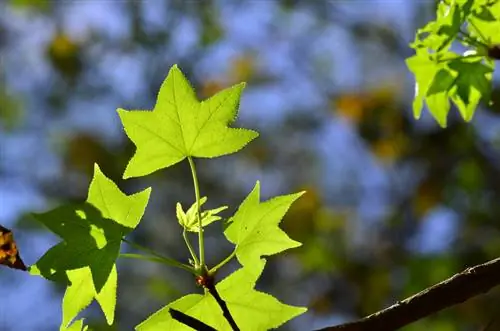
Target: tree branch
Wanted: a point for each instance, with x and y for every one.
(210, 286)
(457, 289)
(189, 321)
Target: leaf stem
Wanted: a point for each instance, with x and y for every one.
(459, 57)
(481, 35)
(222, 263)
(201, 243)
(190, 248)
(155, 257)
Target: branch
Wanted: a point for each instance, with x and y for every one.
(457, 289)
(210, 286)
(189, 321)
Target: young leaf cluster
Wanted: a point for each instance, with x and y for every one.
(178, 128)
(441, 73)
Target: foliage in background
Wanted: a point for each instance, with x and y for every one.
(393, 205)
(442, 73)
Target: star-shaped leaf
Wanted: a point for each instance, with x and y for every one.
(254, 227)
(473, 82)
(180, 126)
(92, 234)
(430, 74)
(250, 308)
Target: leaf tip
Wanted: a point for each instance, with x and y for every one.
(241, 86)
(97, 169)
(174, 68)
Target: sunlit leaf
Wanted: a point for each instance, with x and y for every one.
(254, 227)
(251, 309)
(181, 126)
(92, 234)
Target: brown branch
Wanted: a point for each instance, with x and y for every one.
(457, 289)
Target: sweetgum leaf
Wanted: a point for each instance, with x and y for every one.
(180, 126)
(251, 309)
(254, 227)
(92, 234)
(82, 291)
(472, 83)
(430, 74)
(487, 24)
(76, 326)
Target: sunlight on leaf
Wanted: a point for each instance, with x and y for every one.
(91, 234)
(251, 309)
(254, 227)
(180, 126)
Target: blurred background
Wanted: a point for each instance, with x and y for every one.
(393, 205)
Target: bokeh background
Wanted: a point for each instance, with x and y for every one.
(393, 205)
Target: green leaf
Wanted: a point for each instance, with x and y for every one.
(82, 291)
(254, 227)
(442, 82)
(92, 234)
(432, 82)
(472, 83)
(189, 219)
(485, 15)
(487, 24)
(251, 309)
(438, 35)
(77, 326)
(180, 126)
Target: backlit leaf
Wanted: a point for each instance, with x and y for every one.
(180, 126)
(254, 227)
(92, 234)
(251, 309)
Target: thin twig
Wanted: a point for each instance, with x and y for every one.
(189, 321)
(462, 286)
(166, 260)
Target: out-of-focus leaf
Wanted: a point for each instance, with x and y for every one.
(242, 68)
(428, 195)
(350, 106)
(31, 4)
(65, 55)
(11, 110)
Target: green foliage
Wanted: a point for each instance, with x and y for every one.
(252, 310)
(180, 126)
(77, 326)
(442, 74)
(92, 233)
(188, 220)
(254, 228)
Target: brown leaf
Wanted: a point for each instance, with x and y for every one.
(9, 255)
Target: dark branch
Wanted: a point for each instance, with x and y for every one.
(189, 321)
(210, 286)
(457, 289)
